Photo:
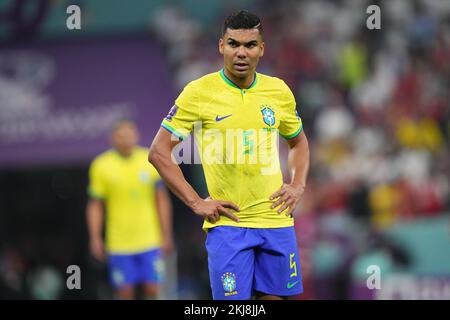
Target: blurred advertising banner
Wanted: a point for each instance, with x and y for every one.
(59, 100)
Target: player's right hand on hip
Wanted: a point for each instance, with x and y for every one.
(97, 249)
(212, 209)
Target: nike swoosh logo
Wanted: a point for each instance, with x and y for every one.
(221, 118)
(290, 285)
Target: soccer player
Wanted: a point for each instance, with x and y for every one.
(138, 215)
(251, 244)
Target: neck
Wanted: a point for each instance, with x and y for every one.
(242, 83)
(125, 152)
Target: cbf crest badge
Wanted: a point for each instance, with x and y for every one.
(268, 115)
(229, 283)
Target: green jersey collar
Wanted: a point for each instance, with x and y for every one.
(231, 83)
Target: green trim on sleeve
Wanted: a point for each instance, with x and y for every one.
(172, 130)
(294, 134)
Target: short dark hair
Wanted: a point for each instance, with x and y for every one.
(242, 20)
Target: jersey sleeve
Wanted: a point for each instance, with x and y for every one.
(181, 117)
(97, 185)
(290, 122)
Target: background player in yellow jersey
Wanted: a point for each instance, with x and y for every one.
(138, 214)
(251, 244)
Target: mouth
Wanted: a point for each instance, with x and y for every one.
(241, 66)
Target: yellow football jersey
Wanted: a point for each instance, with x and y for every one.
(236, 132)
(127, 186)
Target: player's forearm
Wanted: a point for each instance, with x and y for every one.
(94, 217)
(173, 176)
(298, 163)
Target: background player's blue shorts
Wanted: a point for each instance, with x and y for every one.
(130, 269)
(242, 260)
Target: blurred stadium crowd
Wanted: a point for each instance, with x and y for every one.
(375, 109)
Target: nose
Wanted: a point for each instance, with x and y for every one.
(241, 54)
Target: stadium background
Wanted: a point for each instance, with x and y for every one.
(375, 107)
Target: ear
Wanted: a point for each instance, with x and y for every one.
(262, 48)
(221, 43)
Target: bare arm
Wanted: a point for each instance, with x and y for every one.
(298, 161)
(289, 195)
(160, 156)
(164, 208)
(95, 217)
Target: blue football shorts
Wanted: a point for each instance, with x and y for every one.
(244, 260)
(131, 269)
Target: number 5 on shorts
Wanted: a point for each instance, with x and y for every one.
(293, 265)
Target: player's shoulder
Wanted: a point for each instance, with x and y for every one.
(204, 82)
(141, 152)
(142, 156)
(103, 158)
(272, 82)
(278, 88)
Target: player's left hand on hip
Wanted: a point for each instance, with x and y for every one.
(288, 198)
